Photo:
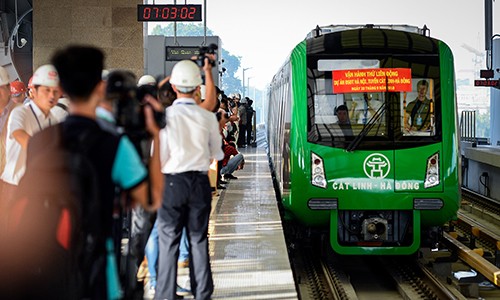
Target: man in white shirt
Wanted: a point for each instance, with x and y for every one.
(24, 122)
(189, 142)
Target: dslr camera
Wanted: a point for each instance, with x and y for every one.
(129, 104)
(219, 115)
(210, 49)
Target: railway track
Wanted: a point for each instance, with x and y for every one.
(474, 237)
(473, 244)
(330, 276)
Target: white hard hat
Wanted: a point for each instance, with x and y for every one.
(4, 76)
(46, 75)
(186, 75)
(146, 79)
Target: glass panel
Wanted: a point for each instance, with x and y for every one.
(417, 109)
(370, 103)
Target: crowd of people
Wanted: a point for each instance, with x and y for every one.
(168, 192)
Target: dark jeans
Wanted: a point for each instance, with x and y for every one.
(249, 134)
(242, 135)
(186, 203)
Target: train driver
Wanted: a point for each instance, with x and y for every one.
(343, 119)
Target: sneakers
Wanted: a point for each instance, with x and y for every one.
(149, 290)
(230, 176)
(183, 264)
(183, 292)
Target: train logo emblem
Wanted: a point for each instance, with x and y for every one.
(376, 166)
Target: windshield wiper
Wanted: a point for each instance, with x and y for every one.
(368, 126)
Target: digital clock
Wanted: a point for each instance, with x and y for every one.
(167, 12)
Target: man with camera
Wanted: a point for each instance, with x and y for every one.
(190, 140)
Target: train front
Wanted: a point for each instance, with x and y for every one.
(377, 151)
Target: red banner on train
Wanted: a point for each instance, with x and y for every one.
(371, 80)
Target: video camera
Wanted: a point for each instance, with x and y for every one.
(210, 49)
(128, 102)
(219, 115)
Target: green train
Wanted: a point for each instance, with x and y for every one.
(362, 137)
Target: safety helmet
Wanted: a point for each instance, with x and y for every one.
(146, 79)
(186, 76)
(17, 87)
(46, 75)
(237, 96)
(4, 76)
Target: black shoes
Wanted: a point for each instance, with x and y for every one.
(230, 176)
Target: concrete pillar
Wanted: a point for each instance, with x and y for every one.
(495, 97)
(108, 24)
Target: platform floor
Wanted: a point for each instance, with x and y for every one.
(247, 246)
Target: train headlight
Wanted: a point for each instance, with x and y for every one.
(432, 171)
(317, 171)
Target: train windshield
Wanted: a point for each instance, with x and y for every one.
(373, 103)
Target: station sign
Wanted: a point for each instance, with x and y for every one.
(487, 83)
(180, 52)
(372, 80)
(168, 12)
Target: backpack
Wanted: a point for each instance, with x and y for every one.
(56, 217)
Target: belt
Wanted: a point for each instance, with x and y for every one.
(190, 173)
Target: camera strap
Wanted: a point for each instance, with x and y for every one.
(36, 117)
(183, 103)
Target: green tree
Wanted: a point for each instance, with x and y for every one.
(483, 125)
(231, 64)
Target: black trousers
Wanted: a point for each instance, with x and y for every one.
(186, 203)
(242, 135)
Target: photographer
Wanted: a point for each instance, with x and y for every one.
(231, 107)
(127, 101)
(187, 195)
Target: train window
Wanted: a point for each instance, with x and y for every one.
(379, 95)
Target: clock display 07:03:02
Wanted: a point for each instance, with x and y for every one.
(168, 12)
